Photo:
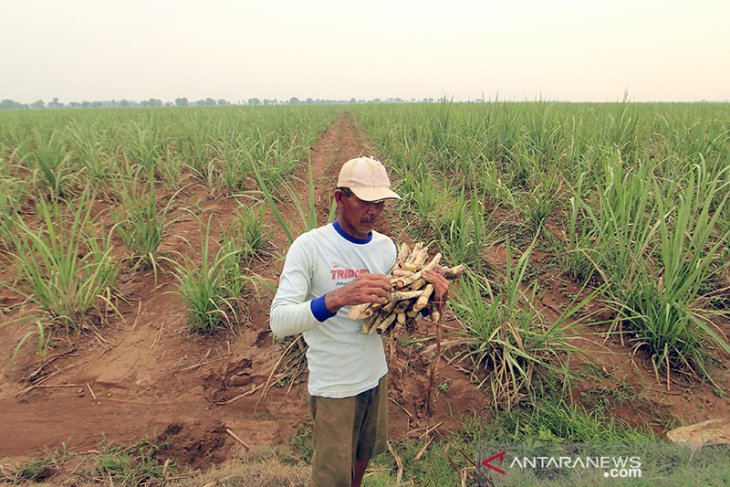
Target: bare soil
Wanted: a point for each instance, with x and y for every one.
(148, 376)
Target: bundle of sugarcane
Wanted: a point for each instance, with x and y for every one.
(411, 295)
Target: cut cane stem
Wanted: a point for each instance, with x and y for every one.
(405, 281)
(415, 286)
(403, 253)
(385, 324)
(422, 301)
(416, 249)
(421, 258)
(455, 272)
(401, 295)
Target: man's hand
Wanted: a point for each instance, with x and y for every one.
(440, 287)
(365, 288)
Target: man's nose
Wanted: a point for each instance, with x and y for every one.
(375, 207)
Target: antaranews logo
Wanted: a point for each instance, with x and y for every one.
(546, 463)
(488, 462)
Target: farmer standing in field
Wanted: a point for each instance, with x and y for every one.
(328, 270)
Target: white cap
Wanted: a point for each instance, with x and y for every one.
(367, 178)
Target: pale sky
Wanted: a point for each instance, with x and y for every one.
(578, 50)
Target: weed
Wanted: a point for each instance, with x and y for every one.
(444, 386)
(38, 469)
(301, 441)
(130, 466)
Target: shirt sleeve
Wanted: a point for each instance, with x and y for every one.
(291, 312)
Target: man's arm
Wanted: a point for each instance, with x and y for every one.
(291, 312)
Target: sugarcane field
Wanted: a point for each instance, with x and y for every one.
(586, 247)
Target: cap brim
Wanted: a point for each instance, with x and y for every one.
(375, 194)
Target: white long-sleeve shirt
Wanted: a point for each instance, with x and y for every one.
(342, 361)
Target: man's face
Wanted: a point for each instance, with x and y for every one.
(357, 217)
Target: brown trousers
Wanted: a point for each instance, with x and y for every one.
(345, 429)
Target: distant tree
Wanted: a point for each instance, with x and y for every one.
(10, 104)
(181, 102)
(209, 102)
(74, 104)
(154, 102)
(55, 104)
(38, 104)
(125, 103)
(254, 102)
(294, 100)
(222, 102)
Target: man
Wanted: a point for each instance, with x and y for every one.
(328, 270)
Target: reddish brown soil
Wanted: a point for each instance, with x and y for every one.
(148, 376)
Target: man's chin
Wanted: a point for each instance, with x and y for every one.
(366, 227)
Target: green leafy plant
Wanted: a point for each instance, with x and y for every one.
(66, 268)
(211, 289)
(507, 337)
(249, 232)
(51, 167)
(662, 308)
(139, 222)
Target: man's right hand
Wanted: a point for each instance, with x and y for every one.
(365, 288)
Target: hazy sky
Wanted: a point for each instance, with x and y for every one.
(559, 50)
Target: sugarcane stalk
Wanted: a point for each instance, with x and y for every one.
(411, 292)
(405, 281)
(402, 306)
(401, 295)
(367, 324)
(385, 324)
(423, 298)
(455, 272)
(403, 253)
(359, 311)
(415, 286)
(421, 258)
(416, 249)
(379, 318)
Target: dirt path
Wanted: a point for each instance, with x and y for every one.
(149, 375)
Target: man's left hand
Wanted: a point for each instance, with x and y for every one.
(440, 287)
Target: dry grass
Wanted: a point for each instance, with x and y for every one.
(261, 469)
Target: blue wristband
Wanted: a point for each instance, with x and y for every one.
(319, 310)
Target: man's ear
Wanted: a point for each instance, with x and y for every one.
(339, 196)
